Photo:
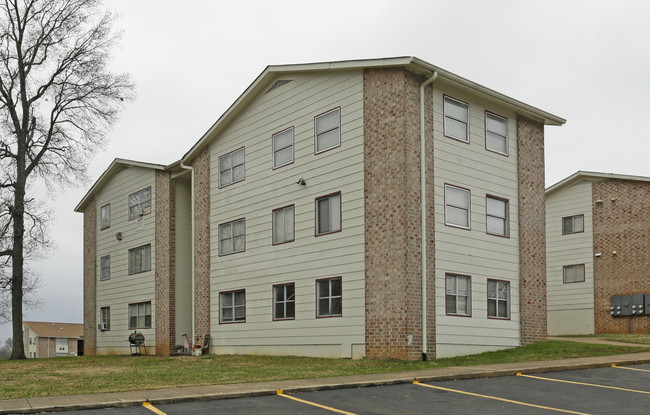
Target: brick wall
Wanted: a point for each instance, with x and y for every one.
(90, 278)
(621, 225)
(202, 243)
(532, 230)
(392, 216)
(165, 321)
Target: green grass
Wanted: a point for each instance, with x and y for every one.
(97, 374)
(623, 338)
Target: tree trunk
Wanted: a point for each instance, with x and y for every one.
(18, 215)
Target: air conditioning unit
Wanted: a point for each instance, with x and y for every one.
(102, 326)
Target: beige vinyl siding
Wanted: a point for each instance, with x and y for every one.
(308, 258)
(473, 252)
(570, 306)
(123, 289)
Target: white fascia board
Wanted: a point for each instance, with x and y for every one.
(591, 175)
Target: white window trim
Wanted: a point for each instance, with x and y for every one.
(446, 116)
(141, 310)
(497, 300)
(456, 277)
(330, 230)
(284, 302)
(468, 209)
(316, 134)
(506, 219)
(231, 237)
(496, 117)
(292, 146)
(284, 211)
(233, 307)
(330, 298)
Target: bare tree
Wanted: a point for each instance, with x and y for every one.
(57, 100)
(5, 350)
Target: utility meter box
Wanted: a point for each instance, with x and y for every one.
(638, 304)
(626, 305)
(646, 305)
(616, 305)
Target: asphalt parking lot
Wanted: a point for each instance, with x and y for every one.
(613, 390)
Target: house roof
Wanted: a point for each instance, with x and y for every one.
(409, 62)
(590, 175)
(64, 330)
(115, 166)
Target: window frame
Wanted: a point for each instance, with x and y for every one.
(105, 318)
(469, 207)
(101, 267)
(316, 219)
(573, 217)
(230, 154)
(233, 307)
(148, 268)
(444, 119)
(275, 301)
(506, 219)
(293, 237)
(564, 270)
(232, 237)
(144, 316)
(506, 137)
(469, 294)
(508, 300)
(316, 151)
(330, 297)
(148, 204)
(106, 207)
(293, 147)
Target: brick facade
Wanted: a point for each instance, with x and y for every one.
(164, 318)
(90, 278)
(532, 230)
(201, 253)
(621, 224)
(392, 215)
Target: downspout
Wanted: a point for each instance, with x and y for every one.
(190, 168)
(423, 210)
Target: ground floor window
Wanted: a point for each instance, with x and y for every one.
(232, 306)
(457, 295)
(284, 302)
(573, 273)
(329, 297)
(105, 318)
(498, 299)
(140, 315)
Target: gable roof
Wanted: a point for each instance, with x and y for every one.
(115, 166)
(591, 175)
(63, 330)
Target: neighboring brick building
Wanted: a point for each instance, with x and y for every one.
(598, 239)
(42, 339)
(365, 208)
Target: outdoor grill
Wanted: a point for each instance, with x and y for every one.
(136, 343)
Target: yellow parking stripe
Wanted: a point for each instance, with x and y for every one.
(585, 384)
(500, 399)
(153, 408)
(630, 368)
(281, 393)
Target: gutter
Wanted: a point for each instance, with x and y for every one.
(190, 168)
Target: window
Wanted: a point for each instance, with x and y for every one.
(284, 302)
(327, 130)
(573, 273)
(140, 203)
(496, 216)
(105, 268)
(496, 133)
(456, 206)
(105, 217)
(456, 119)
(140, 259)
(573, 224)
(105, 318)
(283, 148)
(232, 306)
(283, 225)
(328, 214)
(231, 168)
(457, 290)
(498, 299)
(140, 315)
(232, 237)
(328, 294)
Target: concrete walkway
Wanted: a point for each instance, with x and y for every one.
(166, 396)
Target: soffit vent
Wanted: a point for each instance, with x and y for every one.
(278, 84)
(123, 168)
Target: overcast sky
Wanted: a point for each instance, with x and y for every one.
(586, 61)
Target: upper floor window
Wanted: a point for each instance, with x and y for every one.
(231, 168)
(283, 225)
(140, 259)
(105, 268)
(105, 217)
(328, 214)
(573, 273)
(329, 297)
(140, 203)
(140, 315)
(457, 201)
(284, 301)
(496, 215)
(232, 306)
(498, 299)
(232, 237)
(573, 224)
(283, 148)
(456, 119)
(457, 295)
(327, 130)
(496, 133)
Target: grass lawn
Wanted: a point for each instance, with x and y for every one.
(96, 374)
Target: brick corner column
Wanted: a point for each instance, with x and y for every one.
(90, 278)
(201, 253)
(164, 274)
